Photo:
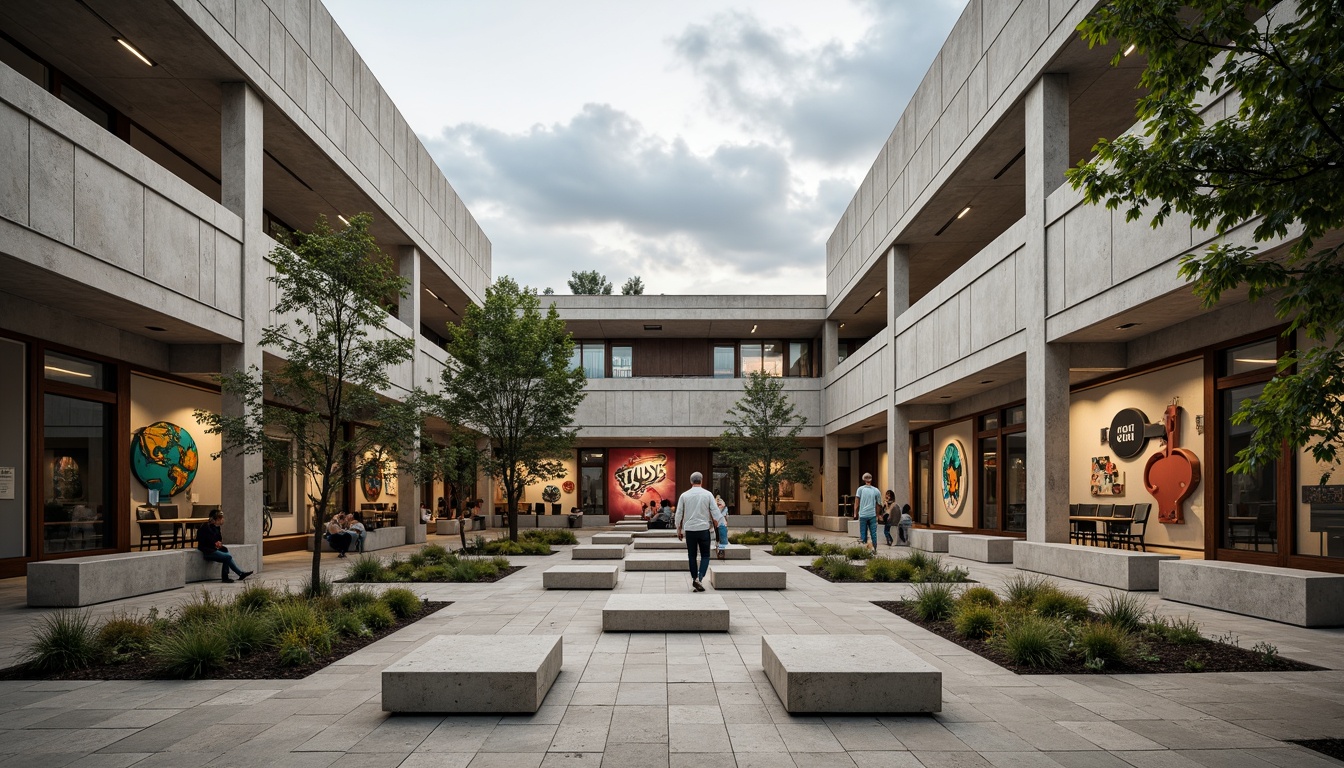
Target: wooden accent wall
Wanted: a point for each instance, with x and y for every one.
(869, 458)
(692, 460)
(671, 357)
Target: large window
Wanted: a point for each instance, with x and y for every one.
(622, 362)
(591, 356)
(800, 358)
(592, 482)
(1001, 448)
(725, 361)
(923, 479)
(77, 467)
(1251, 502)
(767, 356)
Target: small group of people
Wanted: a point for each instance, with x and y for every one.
(871, 507)
(658, 516)
(345, 531)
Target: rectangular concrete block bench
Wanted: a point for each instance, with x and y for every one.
(476, 674)
(581, 577)
(657, 533)
(984, 549)
(550, 521)
(665, 613)
(930, 539)
(612, 538)
(732, 552)
(836, 523)
(246, 556)
(1116, 568)
(78, 581)
(630, 527)
(1289, 595)
(659, 544)
(598, 552)
(747, 577)
(382, 538)
(777, 522)
(849, 673)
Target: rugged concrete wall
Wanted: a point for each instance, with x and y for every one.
(678, 408)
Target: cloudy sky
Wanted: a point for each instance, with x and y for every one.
(709, 147)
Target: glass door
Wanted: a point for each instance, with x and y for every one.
(989, 483)
(1015, 481)
(77, 466)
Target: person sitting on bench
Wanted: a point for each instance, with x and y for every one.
(210, 541)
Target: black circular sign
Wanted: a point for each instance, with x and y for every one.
(1126, 436)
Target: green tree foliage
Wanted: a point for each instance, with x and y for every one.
(456, 463)
(633, 287)
(589, 283)
(761, 440)
(511, 377)
(323, 392)
(1269, 158)
(548, 292)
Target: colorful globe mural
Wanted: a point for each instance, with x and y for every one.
(164, 457)
(954, 477)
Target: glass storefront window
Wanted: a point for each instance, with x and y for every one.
(1251, 357)
(989, 482)
(1251, 514)
(800, 358)
(74, 370)
(924, 478)
(725, 485)
(725, 362)
(1015, 415)
(1015, 481)
(768, 356)
(591, 357)
(989, 422)
(592, 499)
(622, 362)
(77, 476)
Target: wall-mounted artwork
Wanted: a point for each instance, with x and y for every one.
(164, 458)
(67, 476)
(567, 486)
(1173, 474)
(638, 476)
(953, 477)
(550, 494)
(371, 481)
(1107, 479)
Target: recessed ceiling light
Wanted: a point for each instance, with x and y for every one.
(753, 329)
(944, 397)
(134, 51)
(842, 325)
(987, 381)
(875, 295)
(653, 327)
(155, 328)
(68, 372)
(1125, 326)
(343, 219)
(964, 211)
(1131, 48)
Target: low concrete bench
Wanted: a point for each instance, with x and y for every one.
(78, 581)
(646, 545)
(849, 673)
(984, 549)
(676, 560)
(747, 577)
(382, 538)
(1116, 568)
(1289, 595)
(657, 533)
(777, 522)
(246, 556)
(630, 527)
(477, 674)
(581, 577)
(597, 552)
(545, 521)
(837, 523)
(931, 539)
(731, 552)
(665, 613)
(612, 538)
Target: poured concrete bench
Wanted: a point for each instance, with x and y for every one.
(777, 522)
(665, 613)
(546, 521)
(931, 539)
(836, 523)
(477, 674)
(984, 549)
(598, 552)
(849, 673)
(657, 533)
(1116, 568)
(382, 538)
(246, 556)
(77, 581)
(731, 552)
(661, 543)
(676, 560)
(612, 538)
(747, 577)
(1289, 595)
(630, 527)
(581, 577)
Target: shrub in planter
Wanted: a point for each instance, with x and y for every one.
(351, 599)
(974, 621)
(1058, 604)
(1107, 643)
(376, 616)
(256, 597)
(432, 573)
(123, 634)
(886, 569)
(346, 624)
(780, 547)
(829, 548)
(1031, 640)
(1123, 610)
(555, 536)
(858, 553)
(934, 601)
(434, 553)
(979, 596)
(403, 602)
(63, 641)
(193, 651)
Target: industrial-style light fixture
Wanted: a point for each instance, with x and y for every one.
(136, 52)
(753, 328)
(960, 215)
(118, 36)
(344, 221)
(1132, 47)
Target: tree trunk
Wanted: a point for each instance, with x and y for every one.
(512, 512)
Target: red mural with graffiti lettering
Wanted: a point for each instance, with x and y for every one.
(637, 476)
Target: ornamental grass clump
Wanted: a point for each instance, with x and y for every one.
(934, 601)
(351, 599)
(1103, 644)
(858, 552)
(193, 650)
(1021, 591)
(888, 569)
(63, 641)
(779, 548)
(435, 554)
(438, 565)
(376, 616)
(124, 635)
(1031, 640)
(403, 602)
(983, 596)
(553, 536)
(1123, 610)
(243, 632)
(1057, 604)
(838, 568)
(256, 597)
(974, 621)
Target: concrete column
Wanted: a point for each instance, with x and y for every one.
(830, 346)
(241, 192)
(408, 311)
(898, 418)
(830, 478)
(1047, 158)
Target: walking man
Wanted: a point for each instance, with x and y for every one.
(693, 520)
(867, 500)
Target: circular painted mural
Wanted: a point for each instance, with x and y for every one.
(567, 486)
(164, 457)
(371, 481)
(550, 494)
(954, 477)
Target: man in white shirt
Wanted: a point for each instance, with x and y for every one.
(866, 501)
(694, 520)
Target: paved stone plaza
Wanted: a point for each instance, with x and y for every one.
(694, 700)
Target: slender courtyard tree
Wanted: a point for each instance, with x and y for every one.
(323, 392)
(1269, 158)
(511, 377)
(761, 440)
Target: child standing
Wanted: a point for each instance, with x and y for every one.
(720, 515)
(903, 527)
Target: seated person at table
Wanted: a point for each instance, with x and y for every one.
(647, 511)
(354, 525)
(210, 541)
(336, 535)
(663, 520)
(425, 515)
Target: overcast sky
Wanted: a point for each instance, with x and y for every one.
(709, 147)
